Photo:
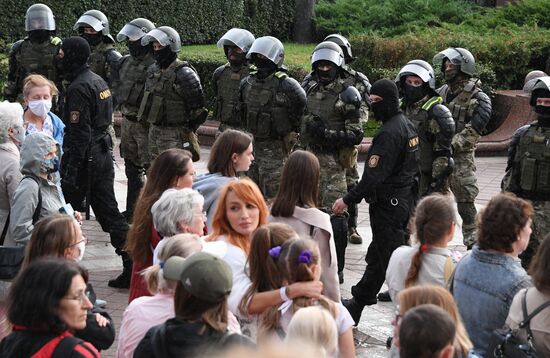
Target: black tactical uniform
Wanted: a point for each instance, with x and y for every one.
(389, 185)
(87, 165)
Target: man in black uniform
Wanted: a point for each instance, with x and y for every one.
(87, 166)
(389, 185)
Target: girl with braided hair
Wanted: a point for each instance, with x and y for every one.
(429, 262)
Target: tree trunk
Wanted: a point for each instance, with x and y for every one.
(303, 17)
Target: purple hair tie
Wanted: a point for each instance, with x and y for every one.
(305, 257)
(275, 252)
(161, 264)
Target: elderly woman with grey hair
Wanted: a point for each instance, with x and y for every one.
(177, 211)
(12, 134)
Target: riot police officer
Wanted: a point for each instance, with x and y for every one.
(173, 101)
(86, 166)
(388, 184)
(529, 163)
(93, 26)
(128, 85)
(35, 53)
(227, 78)
(348, 156)
(433, 121)
(271, 105)
(331, 124)
(471, 110)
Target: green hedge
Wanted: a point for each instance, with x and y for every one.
(197, 21)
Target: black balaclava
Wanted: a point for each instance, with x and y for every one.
(235, 58)
(265, 66)
(413, 94)
(543, 112)
(92, 39)
(138, 51)
(164, 56)
(389, 105)
(39, 36)
(325, 77)
(76, 53)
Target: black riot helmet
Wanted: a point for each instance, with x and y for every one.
(344, 45)
(97, 21)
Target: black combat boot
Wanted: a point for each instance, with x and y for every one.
(123, 280)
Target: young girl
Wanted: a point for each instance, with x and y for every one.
(263, 286)
(299, 261)
(429, 262)
(296, 205)
(230, 154)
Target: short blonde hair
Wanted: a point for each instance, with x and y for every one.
(314, 326)
(32, 81)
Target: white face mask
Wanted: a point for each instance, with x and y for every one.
(81, 247)
(40, 107)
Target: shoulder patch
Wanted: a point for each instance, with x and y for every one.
(373, 161)
(74, 117)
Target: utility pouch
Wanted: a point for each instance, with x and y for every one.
(156, 110)
(347, 157)
(264, 126)
(281, 121)
(528, 174)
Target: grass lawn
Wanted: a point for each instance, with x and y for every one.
(296, 55)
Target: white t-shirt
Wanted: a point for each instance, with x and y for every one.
(432, 269)
(343, 319)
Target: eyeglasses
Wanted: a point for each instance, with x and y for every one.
(204, 216)
(81, 297)
(84, 240)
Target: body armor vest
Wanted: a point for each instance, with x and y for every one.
(462, 106)
(38, 59)
(228, 93)
(426, 128)
(131, 84)
(98, 58)
(266, 108)
(162, 104)
(533, 159)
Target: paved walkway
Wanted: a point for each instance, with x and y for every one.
(375, 325)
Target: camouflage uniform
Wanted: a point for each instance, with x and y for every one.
(26, 58)
(225, 82)
(173, 104)
(270, 110)
(331, 127)
(102, 58)
(128, 85)
(528, 174)
(471, 110)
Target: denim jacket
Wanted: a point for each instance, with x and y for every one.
(484, 286)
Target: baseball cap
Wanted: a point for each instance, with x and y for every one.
(203, 275)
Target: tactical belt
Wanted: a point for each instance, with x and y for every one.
(175, 125)
(392, 190)
(321, 149)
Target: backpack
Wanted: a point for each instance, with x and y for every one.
(63, 346)
(506, 344)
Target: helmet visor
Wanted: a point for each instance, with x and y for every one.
(39, 19)
(88, 20)
(326, 54)
(130, 32)
(270, 49)
(416, 70)
(156, 35)
(451, 54)
(541, 83)
(241, 38)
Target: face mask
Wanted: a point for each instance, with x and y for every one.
(413, 94)
(235, 58)
(40, 107)
(265, 67)
(136, 50)
(81, 247)
(92, 39)
(39, 36)
(19, 138)
(49, 165)
(543, 111)
(164, 56)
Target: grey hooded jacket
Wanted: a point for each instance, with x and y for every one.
(25, 200)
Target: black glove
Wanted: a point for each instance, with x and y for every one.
(316, 128)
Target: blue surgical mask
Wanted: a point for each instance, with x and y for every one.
(50, 165)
